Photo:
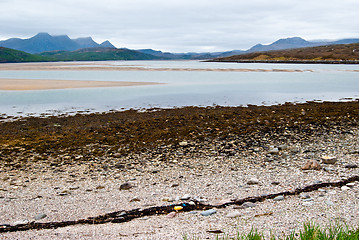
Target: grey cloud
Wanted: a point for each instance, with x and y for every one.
(181, 25)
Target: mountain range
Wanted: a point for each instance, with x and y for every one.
(44, 42)
(62, 48)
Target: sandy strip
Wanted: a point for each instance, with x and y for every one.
(92, 66)
(42, 84)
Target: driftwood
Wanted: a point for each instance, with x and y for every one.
(125, 216)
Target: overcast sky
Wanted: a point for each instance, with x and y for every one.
(182, 25)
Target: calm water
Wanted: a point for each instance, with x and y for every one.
(182, 88)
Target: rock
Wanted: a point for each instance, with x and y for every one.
(253, 181)
(136, 199)
(311, 165)
(185, 197)
(233, 214)
(183, 144)
(21, 222)
(278, 198)
(208, 212)
(248, 205)
(126, 186)
(40, 216)
(329, 203)
(344, 188)
(329, 159)
(351, 185)
(351, 166)
(304, 196)
(307, 204)
(119, 166)
(171, 215)
(274, 151)
(282, 147)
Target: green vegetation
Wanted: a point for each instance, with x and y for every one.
(8, 55)
(340, 52)
(310, 232)
(97, 54)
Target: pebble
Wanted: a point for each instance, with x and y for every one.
(171, 215)
(233, 214)
(329, 159)
(183, 144)
(274, 151)
(283, 147)
(279, 198)
(344, 188)
(311, 165)
(351, 166)
(20, 222)
(329, 203)
(248, 205)
(253, 181)
(304, 196)
(126, 186)
(40, 216)
(208, 212)
(185, 197)
(307, 204)
(351, 185)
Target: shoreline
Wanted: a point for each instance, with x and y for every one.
(72, 168)
(7, 84)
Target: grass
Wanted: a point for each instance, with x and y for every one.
(310, 231)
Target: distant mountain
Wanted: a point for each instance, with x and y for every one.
(185, 56)
(97, 54)
(8, 55)
(296, 42)
(44, 42)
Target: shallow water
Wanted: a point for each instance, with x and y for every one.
(182, 88)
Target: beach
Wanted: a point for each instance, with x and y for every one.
(67, 169)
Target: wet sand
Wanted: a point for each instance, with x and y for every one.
(42, 84)
(103, 66)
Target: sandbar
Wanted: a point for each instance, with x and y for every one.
(43, 84)
(103, 66)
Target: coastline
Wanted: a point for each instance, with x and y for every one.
(42, 84)
(71, 168)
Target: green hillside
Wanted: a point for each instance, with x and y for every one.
(97, 54)
(330, 54)
(8, 55)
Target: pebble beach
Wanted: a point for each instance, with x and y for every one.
(67, 168)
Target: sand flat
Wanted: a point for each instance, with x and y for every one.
(43, 84)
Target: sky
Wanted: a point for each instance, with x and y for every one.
(182, 25)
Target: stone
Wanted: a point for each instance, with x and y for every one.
(329, 203)
(278, 198)
(126, 186)
(185, 197)
(304, 196)
(233, 214)
(183, 144)
(21, 222)
(311, 165)
(171, 215)
(351, 166)
(273, 151)
(208, 212)
(351, 185)
(329, 159)
(248, 205)
(282, 147)
(40, 216)
(253, 181)
(344, 188)
(307, 204)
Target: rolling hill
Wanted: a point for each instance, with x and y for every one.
(340, 53)
(8, 55)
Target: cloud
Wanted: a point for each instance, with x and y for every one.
(195, 25)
